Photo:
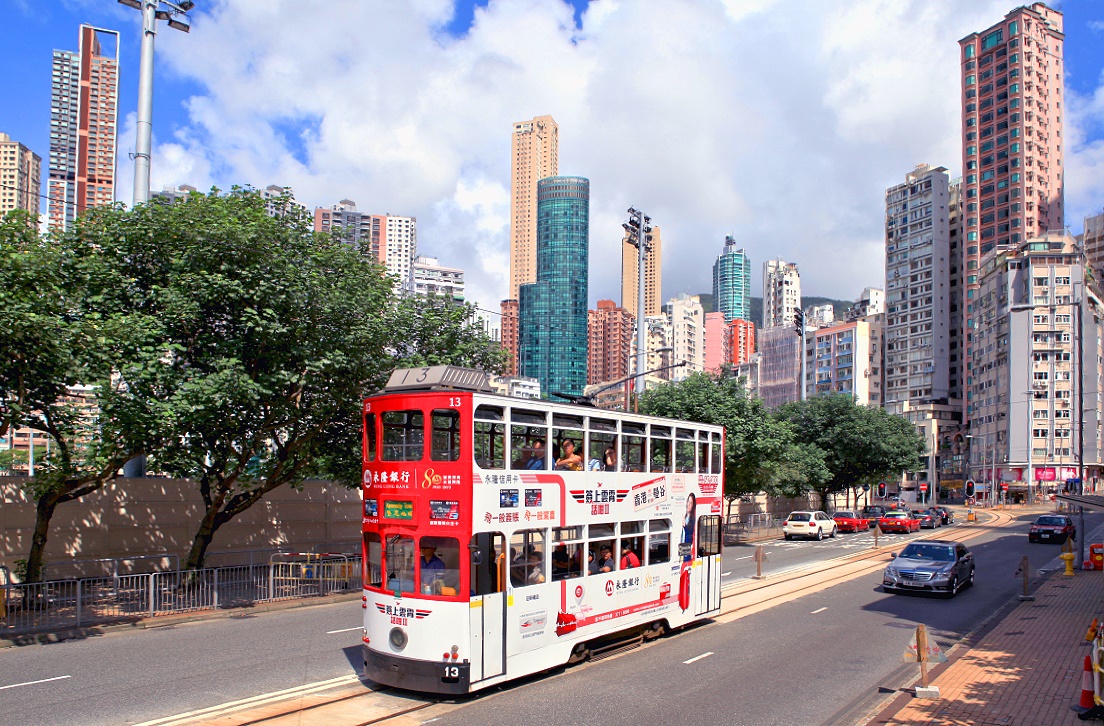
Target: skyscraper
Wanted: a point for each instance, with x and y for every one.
(20, 177)
(732, 282)
(781, 293)
(534, 155)
(611, 334)
(83, 124)
(653, 275)
(552, 321)
(687, 335)
(394, 242)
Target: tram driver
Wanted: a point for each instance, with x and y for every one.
(433, 569)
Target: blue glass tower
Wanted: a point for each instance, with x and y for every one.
(732, 282)
(552, 315)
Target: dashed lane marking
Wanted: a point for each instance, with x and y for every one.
(818, 611)
(343, 630)
(697, 658)
(32, 683)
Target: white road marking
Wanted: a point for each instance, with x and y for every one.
(818, 611)
(31, 683)
(747, 557)
(697, 658)
(344, 630)
(725, 574)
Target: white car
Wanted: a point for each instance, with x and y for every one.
(812, 525)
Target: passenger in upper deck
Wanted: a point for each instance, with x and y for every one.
(536, 455)
(605, 562)
(569, 460)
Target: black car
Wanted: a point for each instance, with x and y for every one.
(873, 512)
(932, 565)
(946, 514)
(930, 518)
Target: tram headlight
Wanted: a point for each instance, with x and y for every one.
(397, 638)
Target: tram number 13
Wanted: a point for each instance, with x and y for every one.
(452, 672)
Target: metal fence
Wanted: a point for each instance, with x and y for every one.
(757, 526)
(44, 606)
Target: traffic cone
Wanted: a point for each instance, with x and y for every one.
(1091, 634)
(1087, 701)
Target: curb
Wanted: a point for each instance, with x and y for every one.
(161, 621)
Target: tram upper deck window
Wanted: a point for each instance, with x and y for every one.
(403, 435)
(703, 452)
(528, 447)
(369, 437)
(568, 429)
(602, 445)
(439, 566)
(632, 446)
(489, 444)
(716, 461)
(660, 443)
(684, 451)
(398, 561)
(373, 559)
(445, 444)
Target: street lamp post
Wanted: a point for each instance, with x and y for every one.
(176, 13)
(639, 235)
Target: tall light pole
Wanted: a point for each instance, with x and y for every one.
(638, 234)
(176, 13)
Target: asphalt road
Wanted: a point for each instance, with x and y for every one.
(805, 661)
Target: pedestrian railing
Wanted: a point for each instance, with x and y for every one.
(756, 528)
(42, 606)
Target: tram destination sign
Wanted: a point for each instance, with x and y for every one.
(398, 510)
(439, 377)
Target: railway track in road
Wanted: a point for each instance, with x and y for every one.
(348, 701)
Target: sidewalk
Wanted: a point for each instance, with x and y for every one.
(1023, 670)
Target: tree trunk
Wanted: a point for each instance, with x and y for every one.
(44, 512)
(203, 537)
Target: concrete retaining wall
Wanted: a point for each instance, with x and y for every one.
(151, 516)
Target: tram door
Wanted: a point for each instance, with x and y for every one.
(709, 551)
(488, 605)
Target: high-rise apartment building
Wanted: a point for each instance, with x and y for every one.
(1092, 240)
(820, 316)
(20, 177)
(653, 274)
(394, 240)
(534, 155)
(846, 358)
(1013, 177)
(345, 223)
(779, 369)
(552, 320)
(611, 330)
(1043, 325)
(716, 342)
(732, 282)
(741, 341)
(687, 335)
(84, 96)
(429, 278)
(781, 293)
(870, 302)
(509, 334)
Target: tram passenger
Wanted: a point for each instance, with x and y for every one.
(609, 459)
(628, 557)
(592, 564)
(536, 568)
(569, 460)
(561, 562)
(536, 455)
(605, 561)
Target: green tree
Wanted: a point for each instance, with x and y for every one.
(756, 444)
(51, 345)
(265, 337)
(859, 444)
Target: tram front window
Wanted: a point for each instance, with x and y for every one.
(439, 566)
(373, 559)
(399, 558)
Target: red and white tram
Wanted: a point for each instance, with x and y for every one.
(506, 536)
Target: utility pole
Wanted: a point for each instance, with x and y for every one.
(799, 321)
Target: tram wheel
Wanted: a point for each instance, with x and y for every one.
(579, 654)
(655, 630)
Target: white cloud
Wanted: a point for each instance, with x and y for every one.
(779, 122)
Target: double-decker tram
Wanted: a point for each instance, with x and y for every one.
(506, 536)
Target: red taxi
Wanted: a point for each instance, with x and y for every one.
(899, 520)
(851, 521)
(1052, 528)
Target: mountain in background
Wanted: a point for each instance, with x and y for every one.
(840, 306)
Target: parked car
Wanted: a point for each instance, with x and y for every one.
(812, 525)
(930, 518)
(1052, 528)
(931, 565)
(851, 521)
(946, 514)
(899, 520)
(873, 512)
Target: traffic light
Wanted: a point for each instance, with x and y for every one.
(799, 320)
(969, 488)
(881, 489)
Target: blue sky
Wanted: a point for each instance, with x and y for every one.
(778, 121)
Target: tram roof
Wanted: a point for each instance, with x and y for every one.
(439, 379)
